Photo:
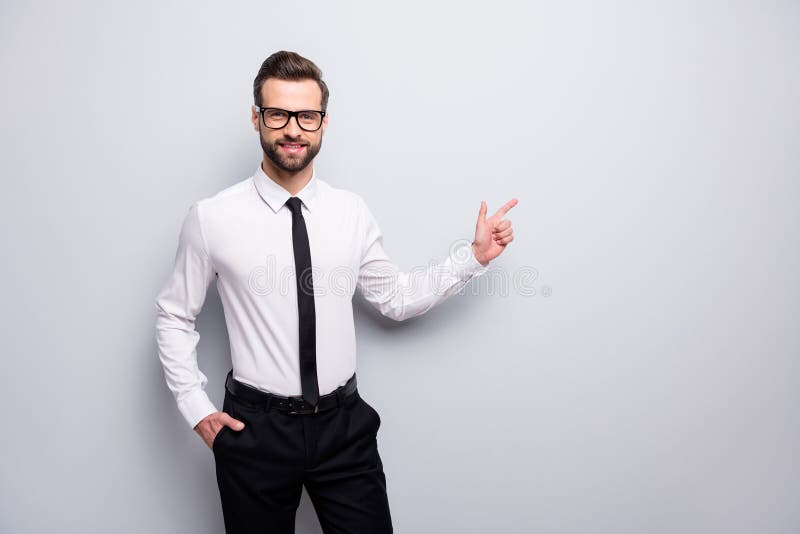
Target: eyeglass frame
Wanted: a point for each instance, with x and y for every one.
(291, 114)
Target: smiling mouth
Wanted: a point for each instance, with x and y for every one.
(292, 148)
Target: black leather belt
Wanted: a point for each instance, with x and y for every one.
(291, 405)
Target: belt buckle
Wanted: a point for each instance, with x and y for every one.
(294, 408)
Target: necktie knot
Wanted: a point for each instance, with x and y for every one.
(294, 205)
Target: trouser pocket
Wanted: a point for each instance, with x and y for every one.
(373, 413)
(228, 406)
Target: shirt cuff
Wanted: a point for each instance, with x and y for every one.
(466, 264)
(195, 407)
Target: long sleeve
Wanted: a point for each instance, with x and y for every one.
(401, 295)
(177, 305)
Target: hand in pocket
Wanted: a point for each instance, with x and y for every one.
(211, 425)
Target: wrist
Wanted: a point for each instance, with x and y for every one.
(479, 257)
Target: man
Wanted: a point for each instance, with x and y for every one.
(292, 415)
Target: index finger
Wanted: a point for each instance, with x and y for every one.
(505, 207)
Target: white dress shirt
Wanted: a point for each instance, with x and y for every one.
(242, 237)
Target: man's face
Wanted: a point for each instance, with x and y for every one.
(290, 148)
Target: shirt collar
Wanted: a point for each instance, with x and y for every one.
(276, 196)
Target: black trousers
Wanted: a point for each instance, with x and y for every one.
(262, 469)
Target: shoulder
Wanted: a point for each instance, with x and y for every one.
(342, 198)
(227, 200)
(230, 195)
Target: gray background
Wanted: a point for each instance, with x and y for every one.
(654, 151)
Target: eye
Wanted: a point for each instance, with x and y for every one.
(275, 114)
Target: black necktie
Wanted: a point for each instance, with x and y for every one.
(305, 304)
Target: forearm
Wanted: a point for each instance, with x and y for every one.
(401, 295)
(177, 341)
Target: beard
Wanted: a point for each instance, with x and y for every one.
(289, 162)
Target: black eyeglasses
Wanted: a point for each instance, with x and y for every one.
(309, 120)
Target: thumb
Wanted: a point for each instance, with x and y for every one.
(482, 211)
(234, 423)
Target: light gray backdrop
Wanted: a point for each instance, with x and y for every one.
(639, 375)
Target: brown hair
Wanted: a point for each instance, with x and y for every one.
(286, 65)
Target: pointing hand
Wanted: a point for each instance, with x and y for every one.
(492, 234)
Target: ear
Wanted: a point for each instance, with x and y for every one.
(325, 122)
(255, 117)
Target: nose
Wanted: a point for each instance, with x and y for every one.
(292, 128)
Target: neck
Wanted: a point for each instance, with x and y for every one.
(293, 182)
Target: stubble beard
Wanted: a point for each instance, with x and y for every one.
(288, 162)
